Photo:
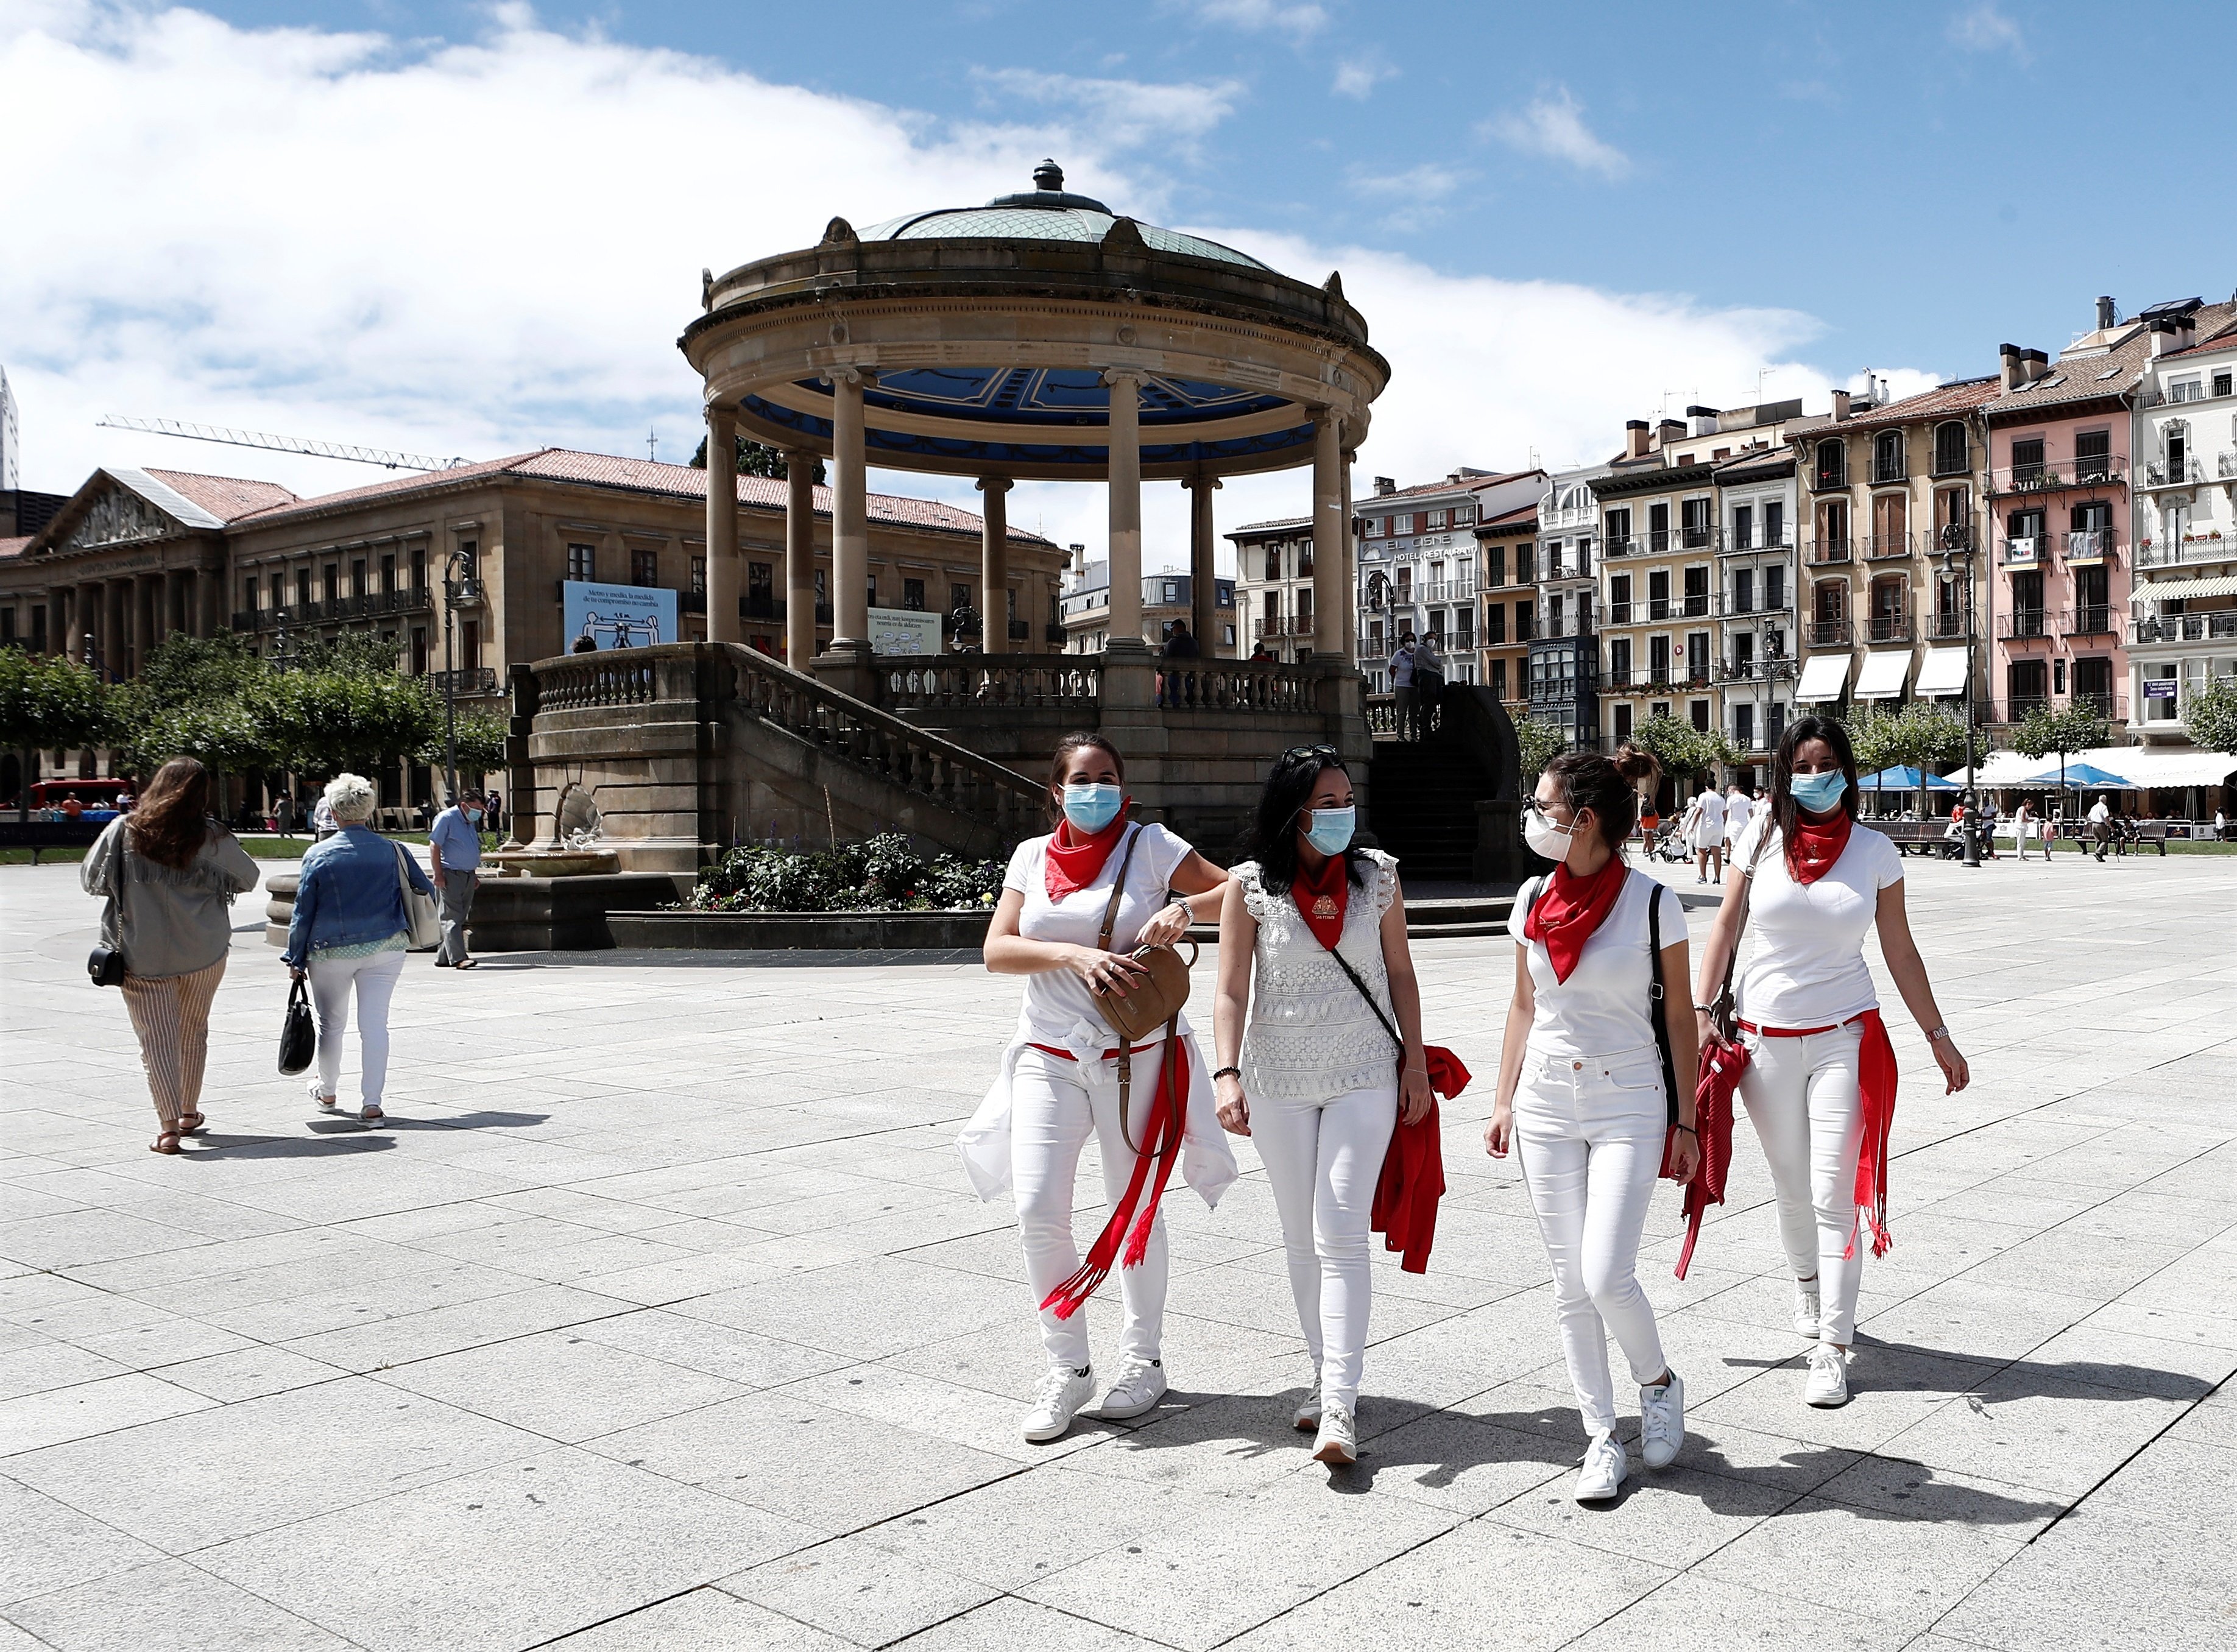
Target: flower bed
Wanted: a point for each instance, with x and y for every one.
(882, 874)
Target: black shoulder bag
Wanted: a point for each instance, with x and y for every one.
(105, 964)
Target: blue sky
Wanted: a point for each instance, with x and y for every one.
(478, 229)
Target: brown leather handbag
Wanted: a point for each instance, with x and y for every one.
(1151, 1001)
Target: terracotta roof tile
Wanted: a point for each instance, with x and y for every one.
(1467, 483)
(14, 547)
(1286, 522)
(2107, 373)
(224, 497)
(1958, 396)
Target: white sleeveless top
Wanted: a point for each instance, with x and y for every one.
(1311, 1036)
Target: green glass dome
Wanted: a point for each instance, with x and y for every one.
(1046, 212)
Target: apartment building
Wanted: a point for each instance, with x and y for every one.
(1084, 610)
(2183, 490)
(1417, 563)
(1894, 581)
(1753, 604)
(1274, 586)
(1507, 577)
(1562, 685)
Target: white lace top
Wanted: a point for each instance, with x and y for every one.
(1311, 1034)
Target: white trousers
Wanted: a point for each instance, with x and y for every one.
(1324, 1158)
(1054, 1106)
(1801, 1095)
(1590, 1135)
(374, 979)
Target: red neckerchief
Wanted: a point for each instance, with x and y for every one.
(1074, 861)
(1816, 846)
(1322, 897)
(1571, 909)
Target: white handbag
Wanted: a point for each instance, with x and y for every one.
(421, 920)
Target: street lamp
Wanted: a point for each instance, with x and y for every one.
(462, 587)
(1955, 535)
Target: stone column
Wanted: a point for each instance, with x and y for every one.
(995, 566)
(115, 644)
(723, 622)
(1352, 570)
(61, 614)
(215, 584)
(1125, 472)
(850, 514)
(87, 620)
(798, 558)
(1203, 587)
(1328, 564)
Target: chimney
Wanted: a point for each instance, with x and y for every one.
(1634, 440)
(1840, 404)
(2009, 366)
(2167, 334)
(2037, 365)
(1669, 431)
(1704, 420)
(1385, 484)
(2107, 317)
(1452, 478)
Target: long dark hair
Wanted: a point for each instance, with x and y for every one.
(1785, 813)
(1271, 838)
(171, 821)
(1607, 786)
(1084, 739)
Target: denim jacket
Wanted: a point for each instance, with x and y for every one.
(348, 894)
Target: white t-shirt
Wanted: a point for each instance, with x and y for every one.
(1601, 1010)
(1709, 820)
(1738, 808)
(1807, 967)
(1057, 1000)
(2099, 813)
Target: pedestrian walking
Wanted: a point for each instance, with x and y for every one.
(1706, 828)
(1819, 1086)
(348, 935)
(2101, 825)
(1180, 646)
(2023, 825)
(1989, 815)
(168, 874)
(1075, 904)
(1738, 807)
(454, 854)
(283, 816)
(1314, 971)
(1585, 1097)
(493, 806)
(324, 824)
(1407, 703)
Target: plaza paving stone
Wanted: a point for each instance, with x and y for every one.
(661, 1317)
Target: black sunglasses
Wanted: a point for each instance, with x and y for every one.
(1325, 753)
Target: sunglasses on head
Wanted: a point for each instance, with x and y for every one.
(1328, 754)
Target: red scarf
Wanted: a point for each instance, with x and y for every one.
(1816, 846)
(1075, 861)
(1322, 898)
(1570, 909)
(1134, 1216)
(1875, 1077)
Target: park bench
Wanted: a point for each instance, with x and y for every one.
(1923, 836)
(38, 836)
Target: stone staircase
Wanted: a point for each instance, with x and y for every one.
(1424, 792)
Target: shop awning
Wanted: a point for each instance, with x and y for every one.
(1881, 677)
(2180, 766)
(1942, 672)
(1823, 676)
(2170, 591)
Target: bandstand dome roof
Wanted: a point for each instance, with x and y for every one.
(1045, 214)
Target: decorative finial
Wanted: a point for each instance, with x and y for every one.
(1048, 176)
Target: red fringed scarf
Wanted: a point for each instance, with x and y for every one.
(1571, 908)
(1074, 861)
(1816, 846)
(1161, 1146)
(1876, 1090)
(1322, 898)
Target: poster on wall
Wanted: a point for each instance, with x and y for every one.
(615, 616)
(902, 631)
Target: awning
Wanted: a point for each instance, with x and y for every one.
(2178, 765)
(1823, 676)
(2171, 590)
(1881, 677)
(1942, 672)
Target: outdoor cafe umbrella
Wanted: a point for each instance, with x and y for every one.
(1903, 777)
(2081, 777)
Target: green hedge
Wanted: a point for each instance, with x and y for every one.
(882, 875)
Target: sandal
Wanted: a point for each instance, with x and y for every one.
(328, 1103)
(463, 963)
(171, 1137)
(191, 1123)
(372, 1115)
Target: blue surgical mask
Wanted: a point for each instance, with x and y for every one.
(474, 815)
(1817, 792)
(1091, 807)
(1332, 829)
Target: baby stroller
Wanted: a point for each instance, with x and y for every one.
(1670, 843)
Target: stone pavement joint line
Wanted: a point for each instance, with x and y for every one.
(661, 1318)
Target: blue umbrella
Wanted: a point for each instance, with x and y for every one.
(1903, 777)
(2082, 774)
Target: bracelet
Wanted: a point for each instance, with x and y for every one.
(1705, 1008)
(1225, 1071)
(1689, 1131)
(1942, 1031)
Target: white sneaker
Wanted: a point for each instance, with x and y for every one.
(1806, 1309)
(1337, 1442)
(1141, 1384)
(1662, 1422)
(1828, 1382)
(1307, 1417)
(1605, 1467)
(1058, 1401)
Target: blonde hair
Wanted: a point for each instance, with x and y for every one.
(351, 797)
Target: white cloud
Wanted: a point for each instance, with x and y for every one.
(1120, 113)
(1411, 199)
(1359, 76)
(1984, 28)
(1554, 126)
(1299, 22)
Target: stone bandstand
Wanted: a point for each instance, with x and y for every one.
(1040, 337)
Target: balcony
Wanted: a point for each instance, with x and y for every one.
(1824, 553)
(1950, 535)
(2098, 619)
(1769, 668)
(1692, 676)
(2019, 707)
(2191, 548)
(690, 601)
(1887, 547)
(473, 680)
(1829, 634)
(2158, 473)
(2029, 551)
(1054, 634)
(1734, 545)
(2053, 475)
(1449, 591)
(1951, 462)
(1625, 546)
(2216, 626)
(1824, 477)
(1579, 623)
(1887, 628)
(1620, 613)
(1945, 628)
(1730, 606)
(2090, 546)
(1021, 630)
(2112, 706)
(1890, 467)
(2023, 625)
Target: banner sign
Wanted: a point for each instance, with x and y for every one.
(903, 630)
(616, 617)
(2161, 688)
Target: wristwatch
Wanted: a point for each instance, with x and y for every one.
(1942, 1031)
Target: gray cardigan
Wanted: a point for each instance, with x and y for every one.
(167, 920)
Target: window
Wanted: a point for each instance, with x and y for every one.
(330, 581)
(419, 650)
(2177, 438)
(1171, 594)
(1623, 721)
(1525, 563)
(1273, 562)
(1499, 676)
(1620, 662)
(302, 590)
(1304, 559)
(958, 596)
(1436, 520)
(582, 563)
(2027, 461)
(873, 582)
(1774, 588)
(1617, 525)
(1744, 655)
(1619, 600)
(1494, 566)
(1697, 591)
(470, 643)
(249, 593)
(1495, 623)
(1697, 659)
(1525, 614)
(1887, 457)
(761, 590)
(1658, 528)
(1833, 467)
(1743, 590)
(2093, 455)
(1305, 612)
(388, 576)
(644, 568)
(1658, 595)
(1743, 526)
(1694, 515)
(1950, 456)
(418, 569)
(2220, 386)
(1554, 607)
(1657, 659)
(913, 596)
(357, 576)
(699, 575)
(1699, 710)
(2186, 389)
(1743, 726)
(1402, 524)
(1463, 515)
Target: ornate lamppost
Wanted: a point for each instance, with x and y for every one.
(1956, 536)
(462, 587)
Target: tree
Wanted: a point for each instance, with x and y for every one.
(756, 458)
(2211, 716)
(1683, 750)
(353, 653)
(2043, 731)
(325, 722)
(1537, 743)
(1919, 735)
(187, 701)
(49, 702)
(481, 743)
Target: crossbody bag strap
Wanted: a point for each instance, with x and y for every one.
(1103, 944)
(1657, 1009)
(1747, 901)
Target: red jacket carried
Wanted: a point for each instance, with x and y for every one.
(1413, 1180)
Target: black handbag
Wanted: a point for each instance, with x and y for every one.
(105, 964)
(299, 1033)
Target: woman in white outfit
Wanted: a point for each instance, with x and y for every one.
(1813, 883)
(1307, 1068)
(1058, 1083)
(1582, 1096)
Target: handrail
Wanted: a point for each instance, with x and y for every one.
(982, 680)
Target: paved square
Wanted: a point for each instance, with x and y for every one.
(661, 1317)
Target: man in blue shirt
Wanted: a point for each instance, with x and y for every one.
(1402, 687)
(454, 854)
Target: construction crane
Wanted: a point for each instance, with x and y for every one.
(355, 455)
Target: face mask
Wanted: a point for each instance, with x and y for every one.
(475, 816)
(1332, 830)
(1545, 839)
(1091, 808)
(1817, 792)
